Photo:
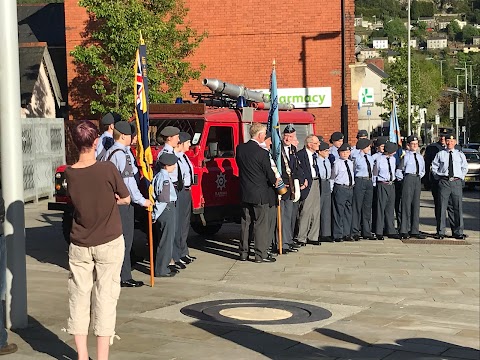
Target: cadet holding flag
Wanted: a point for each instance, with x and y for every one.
(411, 170)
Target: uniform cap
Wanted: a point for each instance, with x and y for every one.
(382, 140)
(167, 159)
(268, 135)
(289, 129)
(450, 137)
(170, 131)
(336, 136)
(324, 146)
(344, 147)
(362, 133)
(363, 143)
(110, 118)
(390, 147)
(133, 125)
(184, 136)
(320, 138)
(123, 127)
(412, 138)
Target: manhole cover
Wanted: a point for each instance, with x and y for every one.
(256, 311)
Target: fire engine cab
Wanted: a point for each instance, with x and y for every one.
(217, 122)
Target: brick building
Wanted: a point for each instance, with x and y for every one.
(244, 38)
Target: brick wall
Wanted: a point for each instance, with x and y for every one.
(244, 38)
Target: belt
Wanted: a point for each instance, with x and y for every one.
(450, 178)
(187, 188)
(416, 175)
(325, 179)
(363, 177)
(345, 186)
(315, 178)
(385, 182)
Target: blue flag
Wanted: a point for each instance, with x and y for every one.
(273, 124)
(395, 135)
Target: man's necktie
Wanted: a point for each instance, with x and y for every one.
(450, 164)
(369, 168)
(417, 165)
(315, 164)
(349, 174)
(326, 171)
(390, 169)
(189, 168)
(180, 178)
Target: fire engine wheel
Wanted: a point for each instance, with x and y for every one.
(67, 220)
(206, 230)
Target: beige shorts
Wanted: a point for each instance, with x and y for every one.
(94, 270)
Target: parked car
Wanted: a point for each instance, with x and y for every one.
(475, 146)
(473, 175)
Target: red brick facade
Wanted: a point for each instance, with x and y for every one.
(244, 37)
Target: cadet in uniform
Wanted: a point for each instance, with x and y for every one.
(163, 215)
(336, 140)
(119, 155)
(168, 137)
(325, 168)
(384, 175)
(450, 167)
(410, 171)
(342, 176)
(363, 190)
(377, 151)
(106, 141)
(184, 202)
(361, 134)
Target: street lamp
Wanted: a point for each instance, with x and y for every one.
(409, 72)
(455, 110)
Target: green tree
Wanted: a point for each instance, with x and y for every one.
(107, 56)
(453, 29)
(395, 30)
(420, 31)
(468, 32)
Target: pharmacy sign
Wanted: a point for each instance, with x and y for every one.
(365, 97)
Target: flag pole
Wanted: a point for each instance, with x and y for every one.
(279, 226)
(150, 246)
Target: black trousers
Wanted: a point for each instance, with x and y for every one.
(255, 224)
(183, 212)
(127, 216)
(450, 195)
(164, 236)
(385, 219)
(342, 211)
(411, 205)
(362, 207)
(325, 209)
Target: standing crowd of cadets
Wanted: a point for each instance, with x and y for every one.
(348, 193)
(171, 187)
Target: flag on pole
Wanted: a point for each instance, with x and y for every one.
(144, 152)
(395, 135)
(273, 124)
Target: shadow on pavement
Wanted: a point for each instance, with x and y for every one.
(277, 347)
(224, 248)
(44, 341)
(46, 245)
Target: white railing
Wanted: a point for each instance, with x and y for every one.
(43, 144)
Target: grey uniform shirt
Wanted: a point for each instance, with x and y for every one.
(340, 172)
(442, 160)
(186, 168)
(360, 167)
(123, 161)
(163, 192)
(168, 149)
(408, 165)
(381, 171)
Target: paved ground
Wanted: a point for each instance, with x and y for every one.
(388, 300)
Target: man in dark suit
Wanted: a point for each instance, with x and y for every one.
(309, 223)
(291, 171)
(256, 178)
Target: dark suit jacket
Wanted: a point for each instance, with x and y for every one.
(306, 170)
(256, 174)
(297, 172)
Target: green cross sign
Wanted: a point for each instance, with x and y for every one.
(367, 96)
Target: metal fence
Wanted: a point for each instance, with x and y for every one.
(43, 144)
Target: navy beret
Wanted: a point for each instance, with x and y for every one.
(110, 118)
(390, 147)
(320, 138)
(382, 140)
(450, 137)
(344, 147)
(412, 138)
(289, 129)
(167, 159)
(363, 143)
(170, 131)
(184, 136)
(133, 125)
(123, 127)
(324, 146)
(362, 133)
(336, 136)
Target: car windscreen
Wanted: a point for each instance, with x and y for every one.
(472, 156)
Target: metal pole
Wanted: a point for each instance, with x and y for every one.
(12, 168)
(344, 108)
(409, 74)
(456, 118)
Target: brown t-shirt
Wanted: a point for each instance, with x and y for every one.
(96, 219)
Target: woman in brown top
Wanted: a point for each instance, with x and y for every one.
(97, 246)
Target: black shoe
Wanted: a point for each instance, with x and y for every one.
(272, 254)
(314, 242)
(356, 237)
(371, 237)
(393, 236)
(439, 236)
(191, 258)
(268, 259)
(243, 257)
(173, 268)
(326, 239)
(292, 249)
(380, 237)
(170, 274)
(300, 244)
(180, 265)
(295, 245)
(8, 349)
(186, 260)
(338, 240)
(348, 238)
(131, 283)
(418, 236)
(404, 236)
(286, 251)
(460, 237)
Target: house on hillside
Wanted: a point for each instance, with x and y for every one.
(380, 43)
(476, 40)
(436, 43)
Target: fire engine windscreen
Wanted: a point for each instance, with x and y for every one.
(192, 126)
